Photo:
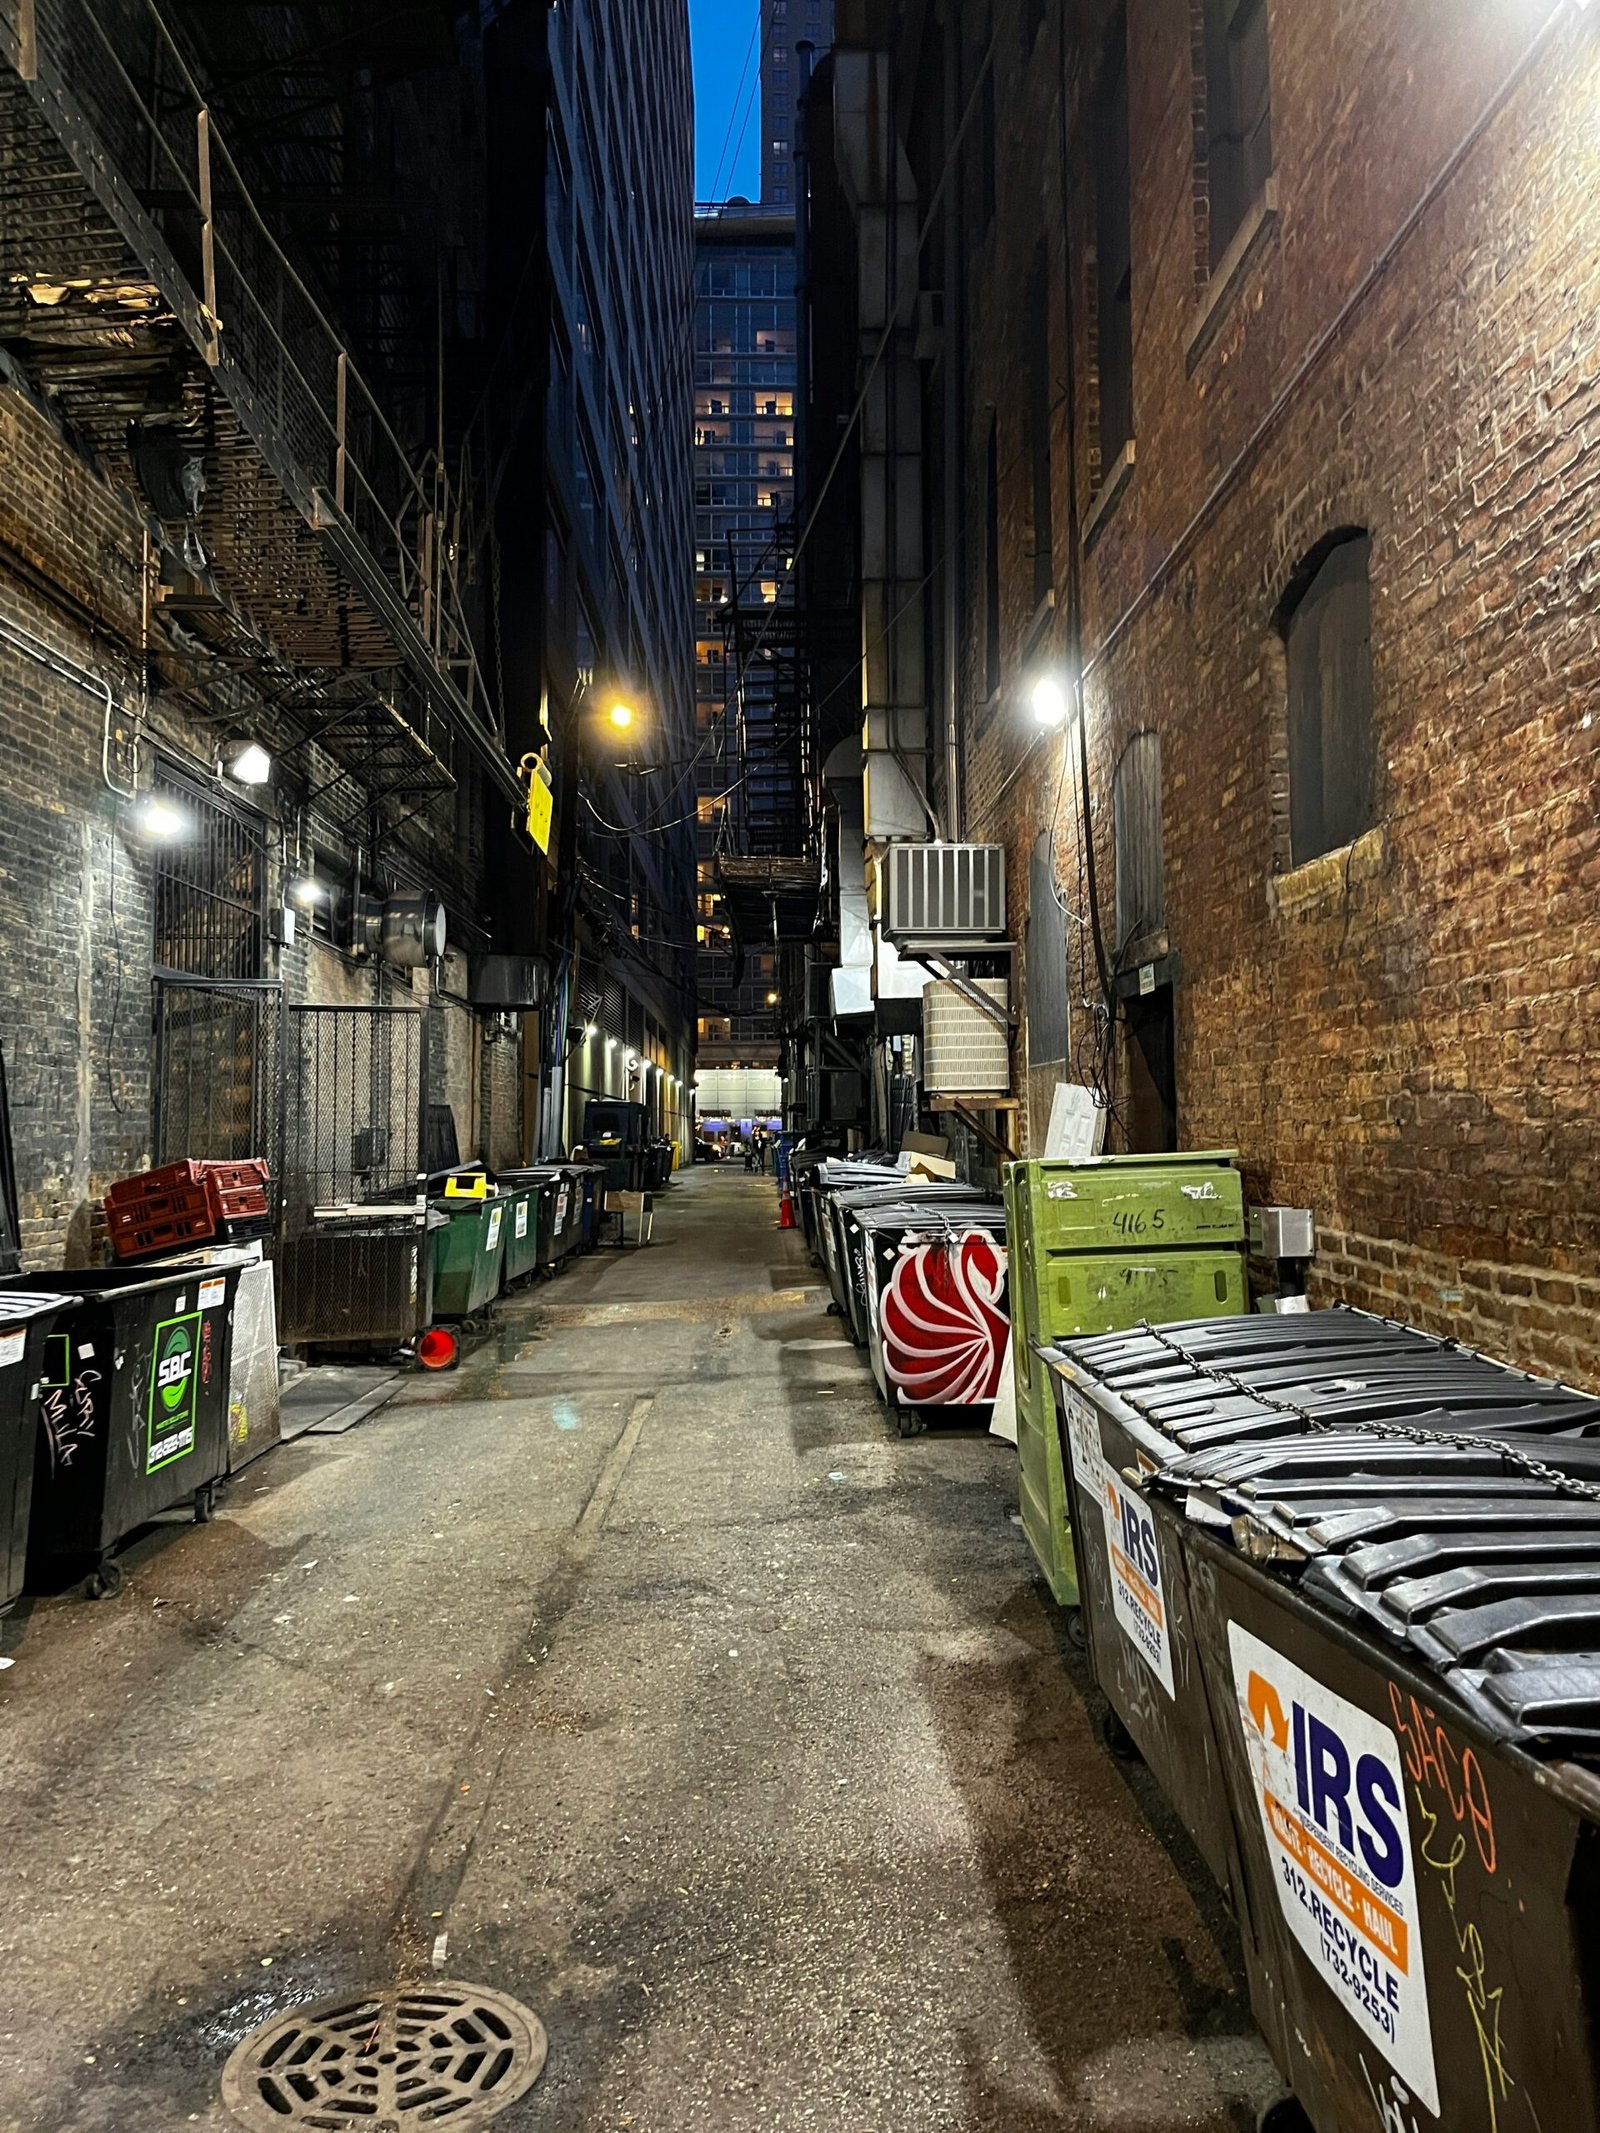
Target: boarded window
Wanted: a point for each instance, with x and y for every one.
(1113, 249)
(1238, 114)
(1136, 802)
(1327, 629)
(1046, 953)
(1039, 423)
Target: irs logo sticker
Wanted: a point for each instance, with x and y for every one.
(1137, 1596)
(1331, 1795)
(171, 1410)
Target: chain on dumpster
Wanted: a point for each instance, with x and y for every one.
(1403, 1432)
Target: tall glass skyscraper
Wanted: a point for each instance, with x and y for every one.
(744, 402)
(785, 26)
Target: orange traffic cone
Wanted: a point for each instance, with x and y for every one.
(785, 1210)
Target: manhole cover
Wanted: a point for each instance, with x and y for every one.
(436, 2054)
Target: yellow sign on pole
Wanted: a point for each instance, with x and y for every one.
(541, 803)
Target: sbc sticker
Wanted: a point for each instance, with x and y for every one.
(1331, 1795)
(1137, 1596)
(496, 1216)
(522, 1218)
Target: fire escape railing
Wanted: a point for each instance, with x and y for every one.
(111, 84)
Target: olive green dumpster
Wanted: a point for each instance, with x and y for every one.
(468, 1253)
(1097, 1247)
(521, 1204)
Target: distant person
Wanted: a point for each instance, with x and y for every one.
(750, 1153)
(761, 1147)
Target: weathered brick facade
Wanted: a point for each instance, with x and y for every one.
(1402, 1032)
(76, 906)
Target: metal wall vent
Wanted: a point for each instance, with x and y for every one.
(957, 891)
(395, 2061)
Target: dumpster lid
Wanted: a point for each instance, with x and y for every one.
(20, 1306)
(1425, 1494)
(80, 1283)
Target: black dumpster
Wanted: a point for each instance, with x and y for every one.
(937, 1320)
(27, 1318)
(1392, 1613)
(133, 1410)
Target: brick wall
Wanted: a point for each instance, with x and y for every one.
(1400, 1034)
(76, 912)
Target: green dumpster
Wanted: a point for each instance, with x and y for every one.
(521, 1231)
(1095, 1247)
(468, 1253)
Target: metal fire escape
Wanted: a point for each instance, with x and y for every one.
(144, 290)
(768, 855)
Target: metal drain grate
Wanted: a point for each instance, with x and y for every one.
(441, 2054)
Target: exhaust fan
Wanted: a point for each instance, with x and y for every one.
(404, 930)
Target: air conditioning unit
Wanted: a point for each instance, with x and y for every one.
(514, 983)
(965, 1051)
(944, 892)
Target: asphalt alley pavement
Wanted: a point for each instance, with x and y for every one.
(640, 1670)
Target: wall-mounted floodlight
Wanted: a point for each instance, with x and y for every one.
(1049, 700)
(161, 820)
(247, 762)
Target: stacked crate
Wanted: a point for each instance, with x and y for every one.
(1096, 1247)
(186, 1204)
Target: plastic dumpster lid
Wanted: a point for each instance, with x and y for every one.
(18, 1307)
(1171, 1161)
(81, 1284)
(1549, 1702)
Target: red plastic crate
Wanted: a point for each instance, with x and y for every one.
(179, 1177)
(139, 1240)
(186, 1203)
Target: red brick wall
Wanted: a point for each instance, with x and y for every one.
(1401, 1036)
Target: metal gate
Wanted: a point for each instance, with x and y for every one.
(218, 1084)
(356, 1109)
(355, 1157)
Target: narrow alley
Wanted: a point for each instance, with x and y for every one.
(640, 1671)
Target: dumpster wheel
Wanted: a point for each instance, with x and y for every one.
(105, 1580)
(1285, 2114)
(1118, 1739)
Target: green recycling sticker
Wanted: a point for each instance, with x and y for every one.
(171, 1433)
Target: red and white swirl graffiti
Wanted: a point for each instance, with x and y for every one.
(944, 1322)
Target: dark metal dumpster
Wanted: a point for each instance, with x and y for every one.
(26, 1319)
(566, 1223)
(133, 1409)
(1392, 1612)
(935, 1315)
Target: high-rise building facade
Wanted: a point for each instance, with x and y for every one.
(787, 26)
(618, 616)
(744, 394)
(744, 386)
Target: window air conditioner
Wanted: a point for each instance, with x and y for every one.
(950, 892)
